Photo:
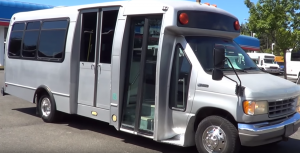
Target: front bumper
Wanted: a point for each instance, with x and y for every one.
(272, 70)
(265, 133)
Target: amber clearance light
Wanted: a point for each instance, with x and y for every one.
(236, 25)
(183, 18)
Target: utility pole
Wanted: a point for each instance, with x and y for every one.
(198, 1)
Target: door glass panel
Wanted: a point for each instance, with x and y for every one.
(180, 78)
(134, 62)
(149, 79)
(88, 37)
(107, 35)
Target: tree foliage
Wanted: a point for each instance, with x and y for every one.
(278, 20)
(245, 29)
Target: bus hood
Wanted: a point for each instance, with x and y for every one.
(266, 87)
(271, 65)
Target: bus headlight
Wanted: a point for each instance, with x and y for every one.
(298, 105)
(255, 107)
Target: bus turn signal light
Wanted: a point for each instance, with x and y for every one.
(255, 107)
(236, 25)
(183, 18)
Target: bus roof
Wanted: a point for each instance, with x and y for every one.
(248, 43)
(131, 7)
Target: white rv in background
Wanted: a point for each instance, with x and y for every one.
(265, 62)
(293, 65)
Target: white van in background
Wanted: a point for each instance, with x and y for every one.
(265, 62)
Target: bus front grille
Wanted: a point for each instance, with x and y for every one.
(282, 107)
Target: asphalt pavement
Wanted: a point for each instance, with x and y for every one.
(22, 131)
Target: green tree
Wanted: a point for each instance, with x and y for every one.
(278, 20)
(245, 30)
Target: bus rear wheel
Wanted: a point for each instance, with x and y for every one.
(217, 134)
(47, 109)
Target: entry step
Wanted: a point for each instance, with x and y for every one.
(147, 123)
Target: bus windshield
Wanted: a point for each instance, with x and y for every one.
(203, 47)
(269, 61)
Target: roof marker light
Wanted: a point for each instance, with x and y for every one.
(207, 4)
(236, 25)
(214, 5)
(183, 18)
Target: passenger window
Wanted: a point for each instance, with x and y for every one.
(18, 26)
(88, 37)
(180, 79)
(108, 29)
(15, 40)
(30, 39)
(33, 25)
(52, 40)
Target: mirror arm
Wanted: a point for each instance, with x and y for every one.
(234, 70)
(239, 88)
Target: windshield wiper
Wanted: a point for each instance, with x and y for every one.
(250, 68)
(240, 70)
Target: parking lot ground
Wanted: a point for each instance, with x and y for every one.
(22, 131)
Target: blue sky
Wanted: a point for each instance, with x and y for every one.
(236, 7)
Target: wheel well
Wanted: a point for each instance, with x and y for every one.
(208, 111)
(39, 92)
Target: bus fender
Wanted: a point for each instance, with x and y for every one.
(37, 93)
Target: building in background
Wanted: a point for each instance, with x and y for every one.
(7, 9)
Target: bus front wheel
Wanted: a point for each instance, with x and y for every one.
(217, 134)
(47, 109)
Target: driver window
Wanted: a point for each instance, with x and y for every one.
(180, 79)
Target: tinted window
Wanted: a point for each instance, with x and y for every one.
(88, 37)
(52, 43)
(108, 28)
(269, 61)
(55, 24)
(18, 26)
(30, 39)
(52, 40)
(295, 56)
(203, 48)
(208, 20)
(33, 25)
(15, 43)
(30, 43)
(180, 78)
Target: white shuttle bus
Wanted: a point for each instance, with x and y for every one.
(169, 71)
(265, 62)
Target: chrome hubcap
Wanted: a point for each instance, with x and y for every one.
(46, 107)
(214, 139)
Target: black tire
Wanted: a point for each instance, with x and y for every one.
(2, 91)
(53, 115)
(232, 143)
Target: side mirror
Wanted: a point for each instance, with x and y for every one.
(219, 57)
(217, 74)
(219, 61)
